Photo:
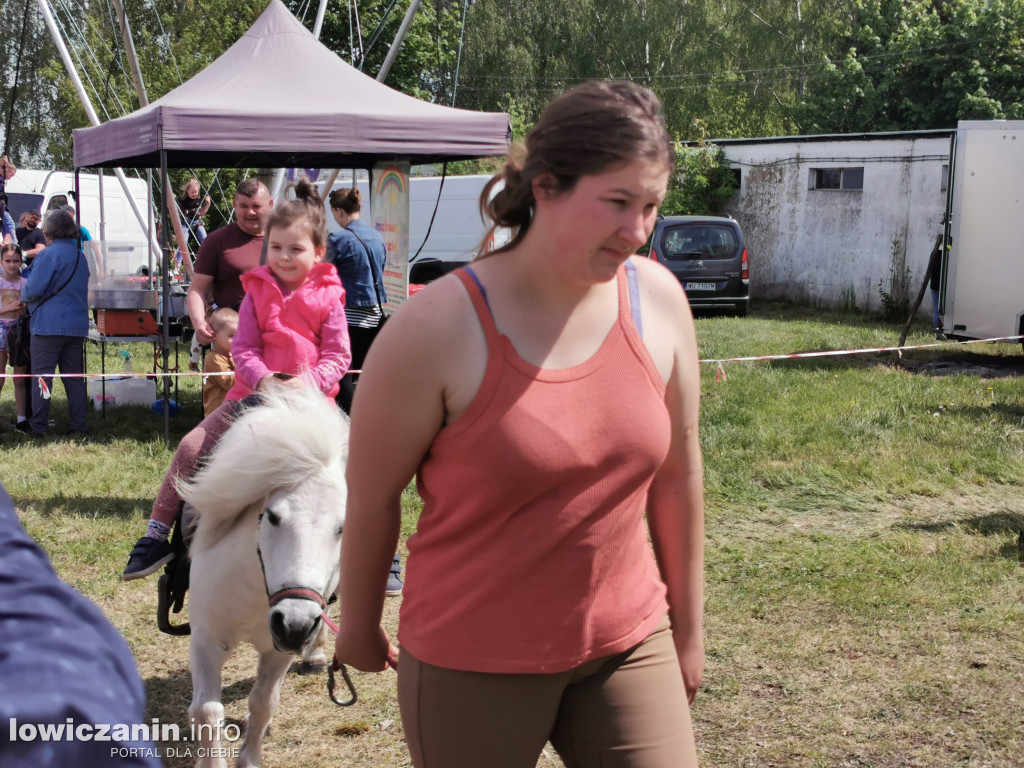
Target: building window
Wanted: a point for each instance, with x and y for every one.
(837, 178)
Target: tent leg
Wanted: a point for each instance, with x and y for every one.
(165, 284)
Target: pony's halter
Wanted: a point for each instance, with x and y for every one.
(297, 592)
(306, 593)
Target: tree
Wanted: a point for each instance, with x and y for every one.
(735, 65)
(26, 102)
(919, 64)
(702, 183)
(426, 60)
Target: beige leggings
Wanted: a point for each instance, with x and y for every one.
(627, 710)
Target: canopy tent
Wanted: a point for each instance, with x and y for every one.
(279, 98)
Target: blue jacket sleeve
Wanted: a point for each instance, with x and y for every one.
(41, 281)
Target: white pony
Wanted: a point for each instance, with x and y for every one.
(270, 507)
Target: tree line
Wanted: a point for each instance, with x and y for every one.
(723, 68)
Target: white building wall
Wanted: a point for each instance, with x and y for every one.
(833, 247)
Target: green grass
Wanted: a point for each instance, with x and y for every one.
(865, 588)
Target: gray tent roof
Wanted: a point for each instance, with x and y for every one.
(278, 98)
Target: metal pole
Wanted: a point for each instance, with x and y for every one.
(102, 268)
(165, 283)
(129, 46)
(44, 9)
(329, 183)
(458, 59)
(318, 25)
(149, 221)
(393, 50)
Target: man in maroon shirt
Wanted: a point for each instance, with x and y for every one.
(226, 255)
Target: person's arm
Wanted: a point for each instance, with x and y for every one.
(675, 505)
(42, 280)
(398, 411)
(96, 260)
(247, 346)
(205, 206)
(8, 227)
(195, 305)
(335, 352)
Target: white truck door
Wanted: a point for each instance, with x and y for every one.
(984, 288)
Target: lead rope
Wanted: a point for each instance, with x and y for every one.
(336, 665)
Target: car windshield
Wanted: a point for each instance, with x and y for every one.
(19, 202)
(697, 242)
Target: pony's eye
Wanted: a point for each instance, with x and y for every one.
(273, 518)
(341, 530)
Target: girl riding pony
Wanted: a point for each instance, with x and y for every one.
(291, 331)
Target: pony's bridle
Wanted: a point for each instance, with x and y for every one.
(306, 593)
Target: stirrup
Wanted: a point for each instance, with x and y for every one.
(165, 597)
(173, 584)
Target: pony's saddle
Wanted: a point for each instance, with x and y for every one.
(173, 583)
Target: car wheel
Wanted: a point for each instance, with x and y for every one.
(741, 310)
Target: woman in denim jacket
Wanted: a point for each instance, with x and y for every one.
(57, 294)
(358, 253)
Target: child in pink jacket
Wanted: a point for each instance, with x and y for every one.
(291, 322)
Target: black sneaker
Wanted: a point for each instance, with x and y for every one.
(22, 426)
(394, 588)
(147, 557)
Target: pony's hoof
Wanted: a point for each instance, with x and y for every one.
(311, 667)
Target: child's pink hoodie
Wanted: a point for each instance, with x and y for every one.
(302, 333)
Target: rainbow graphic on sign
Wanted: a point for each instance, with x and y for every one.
(390, 184)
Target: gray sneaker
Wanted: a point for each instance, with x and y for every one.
(394, 588)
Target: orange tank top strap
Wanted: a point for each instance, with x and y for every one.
(478, 295)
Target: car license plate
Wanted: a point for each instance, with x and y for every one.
(699, 286)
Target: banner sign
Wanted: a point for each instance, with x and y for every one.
(389, 215)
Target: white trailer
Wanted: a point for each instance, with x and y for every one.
(982, 293)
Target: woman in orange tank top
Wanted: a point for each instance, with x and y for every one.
(546, 399)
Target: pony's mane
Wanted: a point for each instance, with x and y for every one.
(292, 436)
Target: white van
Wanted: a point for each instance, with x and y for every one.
(458, 228)
(126, 249)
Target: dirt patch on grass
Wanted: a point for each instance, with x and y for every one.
(968, 364)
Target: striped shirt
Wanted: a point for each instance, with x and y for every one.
(363, 317)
